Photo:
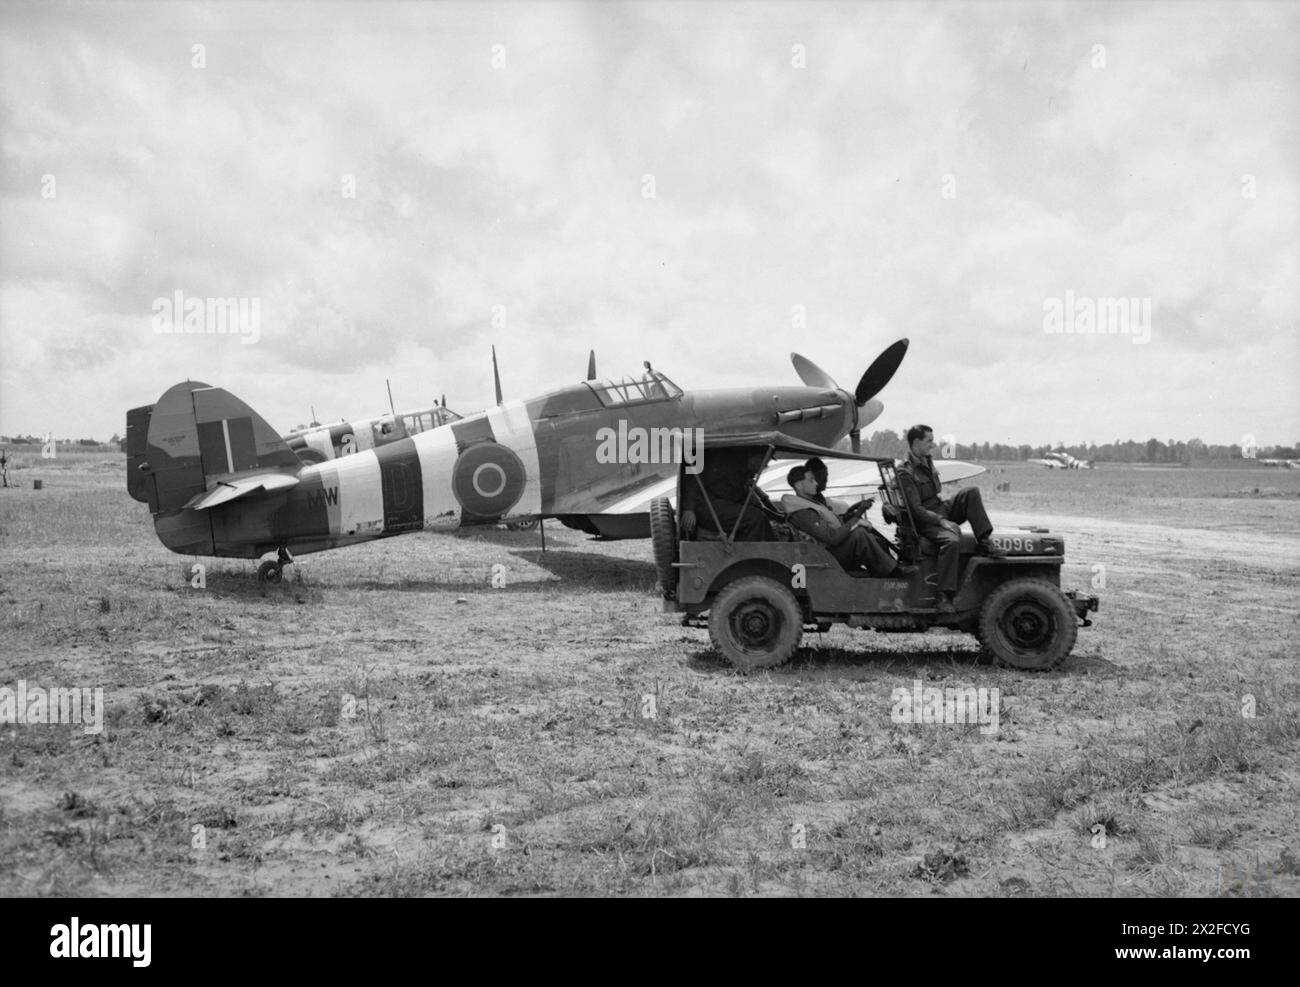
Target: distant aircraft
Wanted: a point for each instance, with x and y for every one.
(1289, 464)
(220, 481)
(325, 442)
(317, 443)
(1062, 460)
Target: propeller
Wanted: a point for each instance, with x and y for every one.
(811, 374)
(496, 376)
(879, 373)
(591, 365)
(872, 383)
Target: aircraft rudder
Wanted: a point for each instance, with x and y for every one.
(194, 434)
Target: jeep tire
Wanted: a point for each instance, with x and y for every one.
(755, 622)
(1027, 624)
(663, 533)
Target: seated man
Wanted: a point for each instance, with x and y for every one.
(727, 476)
(841, 508)
(822, 474)
(937, 519)
(851, 545)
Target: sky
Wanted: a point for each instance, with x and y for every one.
(392, 188)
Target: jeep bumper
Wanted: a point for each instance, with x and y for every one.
(1083, 605)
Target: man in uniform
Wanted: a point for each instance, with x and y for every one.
(850, 544)
(940, 520)
(821, 473)
(727, 477)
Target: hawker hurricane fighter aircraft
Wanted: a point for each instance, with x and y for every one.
(1063, 461)
(220, 481)
(322, 442)
(317, 443)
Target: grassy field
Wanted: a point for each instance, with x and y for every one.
(385, 722)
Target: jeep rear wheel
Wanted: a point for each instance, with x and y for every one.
(663, 533)
(755, 622)
(1028, 624)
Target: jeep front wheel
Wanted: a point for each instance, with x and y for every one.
(1028, 624)
(755, 622)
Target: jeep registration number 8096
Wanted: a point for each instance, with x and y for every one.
(1015, 543)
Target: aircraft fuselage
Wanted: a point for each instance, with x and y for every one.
(541, 457)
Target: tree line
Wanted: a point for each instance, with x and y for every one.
(890, 443)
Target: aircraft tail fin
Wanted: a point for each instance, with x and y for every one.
(194, 438)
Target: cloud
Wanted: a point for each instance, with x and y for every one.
(520, 191)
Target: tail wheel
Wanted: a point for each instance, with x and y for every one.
(270, 572)
(1028, 624)
(755, 622)
(663, 533)
(529, 525)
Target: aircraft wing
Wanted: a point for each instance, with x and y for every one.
(639, 502)
(233, 488)
(851, 481)
(952, 470)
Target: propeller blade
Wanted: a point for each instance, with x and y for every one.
(811, 374)
(496, 376)
(879, 373)
(855, 439)
(591, 365)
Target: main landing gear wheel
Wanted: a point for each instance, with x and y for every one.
(273, 571)
(755, 623)
(1028, 624)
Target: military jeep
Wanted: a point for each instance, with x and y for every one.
(758, 597)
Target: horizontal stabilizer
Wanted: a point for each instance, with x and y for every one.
(233, 488)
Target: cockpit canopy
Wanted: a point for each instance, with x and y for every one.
(650, 386)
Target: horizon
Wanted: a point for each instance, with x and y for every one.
(1262, 451)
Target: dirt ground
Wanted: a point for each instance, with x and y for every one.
(386, 722)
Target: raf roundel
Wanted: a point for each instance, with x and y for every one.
(488, 479)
